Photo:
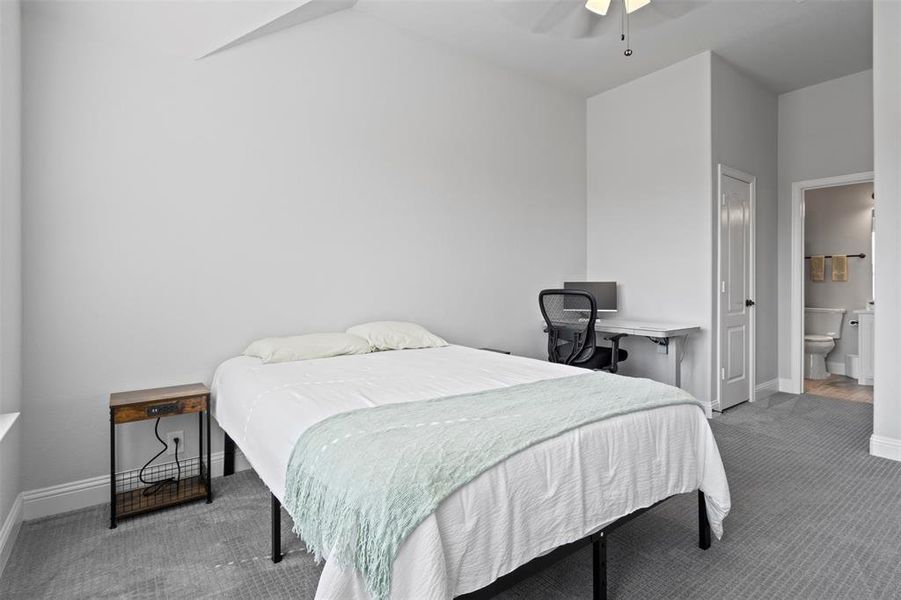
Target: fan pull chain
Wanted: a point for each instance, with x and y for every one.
(627, 34)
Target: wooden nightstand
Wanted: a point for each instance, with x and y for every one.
(168, 484)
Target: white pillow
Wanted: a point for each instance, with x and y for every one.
(306, 347)
(395, 335)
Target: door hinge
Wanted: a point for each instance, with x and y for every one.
(724, 199)
(723, 287)
(723, 373)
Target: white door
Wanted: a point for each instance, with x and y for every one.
(736, 267)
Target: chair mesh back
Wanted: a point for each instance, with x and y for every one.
(570, 316)
(563, 308)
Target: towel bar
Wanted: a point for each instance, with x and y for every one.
(861, 255)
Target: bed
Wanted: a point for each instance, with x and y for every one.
(557, 494)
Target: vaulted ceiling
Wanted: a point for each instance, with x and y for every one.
(785, 44)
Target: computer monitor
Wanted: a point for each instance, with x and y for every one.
(604, 293)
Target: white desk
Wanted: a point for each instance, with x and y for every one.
(670, 336)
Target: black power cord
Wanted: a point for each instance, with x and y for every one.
(155, 486)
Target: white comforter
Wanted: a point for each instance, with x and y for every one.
(553, 493)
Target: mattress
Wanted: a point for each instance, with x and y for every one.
(548, 495)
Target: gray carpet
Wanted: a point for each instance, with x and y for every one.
(814, 516)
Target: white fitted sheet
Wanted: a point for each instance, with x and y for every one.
(548, 495)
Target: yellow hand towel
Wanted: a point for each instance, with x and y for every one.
(817, 268)
(840, 268)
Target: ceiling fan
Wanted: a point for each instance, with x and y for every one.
(601, 7)
(591, 19)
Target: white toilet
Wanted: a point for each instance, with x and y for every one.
(822, 326)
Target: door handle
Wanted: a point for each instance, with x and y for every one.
(749, 302)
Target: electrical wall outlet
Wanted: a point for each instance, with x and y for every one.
(170, 439)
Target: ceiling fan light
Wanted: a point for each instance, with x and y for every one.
(599, 7)
(633, 5)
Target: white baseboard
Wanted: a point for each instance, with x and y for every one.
(75, 495)
(885, 447)
(10, 531)
(766, 389)
(836, 368)
(64, 497)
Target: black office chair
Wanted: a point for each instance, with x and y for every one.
(570, 316)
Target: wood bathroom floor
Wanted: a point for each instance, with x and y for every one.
(840, 387)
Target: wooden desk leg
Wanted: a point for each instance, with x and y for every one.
(674, 349)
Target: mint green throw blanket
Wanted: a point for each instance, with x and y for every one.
(360, 482)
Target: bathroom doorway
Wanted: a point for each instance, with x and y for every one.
(833, 310)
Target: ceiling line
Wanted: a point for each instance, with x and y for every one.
(309, 10)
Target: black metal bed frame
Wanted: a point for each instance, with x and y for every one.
(598, 541)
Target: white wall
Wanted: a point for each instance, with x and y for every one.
(745, 125)
(649, 217)
(651, 188)
(825, 130)
(886, 440)
(838, 220)
(333, 173)
(10, 253)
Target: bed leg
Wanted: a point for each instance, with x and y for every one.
(703, 523)
(599, 566)
(228, 458)
(276, 529)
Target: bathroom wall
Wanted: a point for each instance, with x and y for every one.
(838, 220)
